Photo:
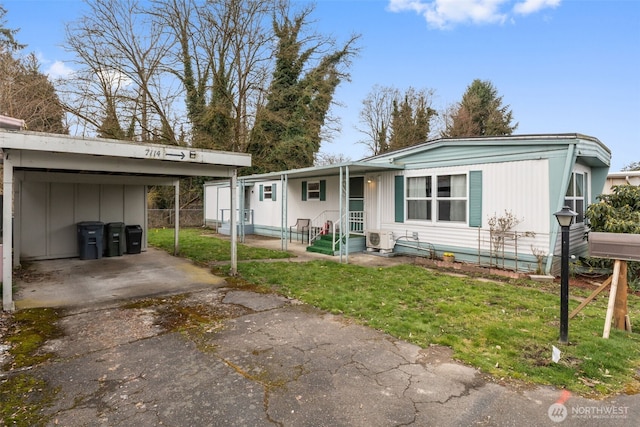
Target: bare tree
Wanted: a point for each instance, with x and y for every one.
(122, 77)
(375, 116)
(324, 159)
(222, 58)
(393, 119)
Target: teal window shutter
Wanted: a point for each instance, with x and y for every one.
(274, 191)
(304, 191)
(399, 198)
(475, 199)
(323, 190)
(261, 192)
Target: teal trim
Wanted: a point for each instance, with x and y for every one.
(560, 171)
(598, 178)
(399, 198)
(261, 192)
(304, 191)
(475, 199)
(274, 191)
(323, 190)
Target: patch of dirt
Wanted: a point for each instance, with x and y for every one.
(435, 355)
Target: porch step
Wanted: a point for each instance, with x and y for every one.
(323, 245)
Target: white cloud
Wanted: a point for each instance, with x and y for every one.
(58, 69)
(532, 6)
(448, 13)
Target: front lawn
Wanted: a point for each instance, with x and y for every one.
(504, 329)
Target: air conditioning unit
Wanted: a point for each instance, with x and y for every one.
(378, 239)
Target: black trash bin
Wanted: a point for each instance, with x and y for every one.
(90, 243)
(114, 239)
(133, 234)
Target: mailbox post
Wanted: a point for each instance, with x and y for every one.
(565, 218)
(620, 247)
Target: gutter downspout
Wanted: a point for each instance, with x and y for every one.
(568, 170)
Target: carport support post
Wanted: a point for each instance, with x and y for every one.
(234, 232)
(176, 223)
(7, 237)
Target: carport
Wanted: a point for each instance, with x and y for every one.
(52, 182)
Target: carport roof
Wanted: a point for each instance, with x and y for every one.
(80, 159)
(322, 171)
(53, 152)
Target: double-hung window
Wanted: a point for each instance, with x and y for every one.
(447, 202)
(452, 198)
(575, 197)
(419, 198)
(313, 190)
(268, 191)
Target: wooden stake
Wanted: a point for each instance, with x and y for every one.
(612, 299)
(590, 297)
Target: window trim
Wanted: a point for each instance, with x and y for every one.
(573, 199)
(267, 192)
(435, 199)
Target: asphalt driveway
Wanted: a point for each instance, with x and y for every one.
(208, 354)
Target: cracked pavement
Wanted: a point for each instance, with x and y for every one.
(273, 362)
(261, 360)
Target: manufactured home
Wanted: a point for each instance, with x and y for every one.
(621, 178)
(444, 196)
(53, 183)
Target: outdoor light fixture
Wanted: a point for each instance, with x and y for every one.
(565, 218)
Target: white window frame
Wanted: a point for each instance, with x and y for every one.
(315, 193)
(577, 203)
(434, 201)
(452, 198)
(427, 198)
(267, 192)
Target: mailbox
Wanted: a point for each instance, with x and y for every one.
(622, 246)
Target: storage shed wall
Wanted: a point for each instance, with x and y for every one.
(51, 210)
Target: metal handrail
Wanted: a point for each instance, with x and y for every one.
(247, 215)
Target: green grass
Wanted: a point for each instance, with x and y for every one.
(504, 329)
(202, 246)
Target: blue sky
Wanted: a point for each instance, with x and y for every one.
(563, 66)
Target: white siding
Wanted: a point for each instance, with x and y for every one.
(519, 187)
(217, 198)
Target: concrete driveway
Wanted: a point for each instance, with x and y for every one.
(252, 359)
(82, 283)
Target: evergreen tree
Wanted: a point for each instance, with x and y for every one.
(394, 120)
(410, 123)
(25, 92)
(286, 134)
(110, 127)
(480, 113)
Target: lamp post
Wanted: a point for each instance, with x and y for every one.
(565, 218)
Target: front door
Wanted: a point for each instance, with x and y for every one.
(356, 204)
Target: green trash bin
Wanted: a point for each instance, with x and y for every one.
(114, 239)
